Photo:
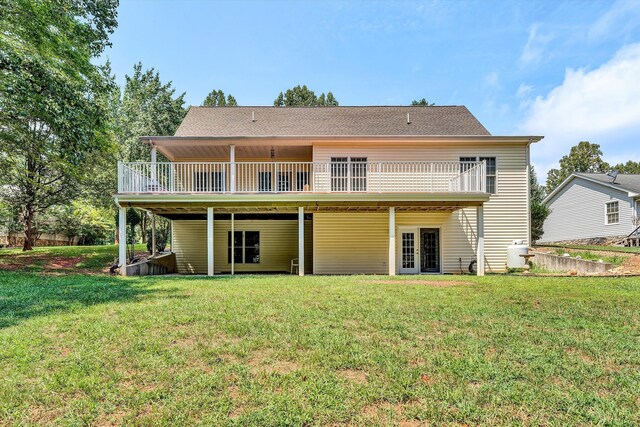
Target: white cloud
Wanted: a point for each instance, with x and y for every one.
(619, 20)
(524, 90)
(492, 80)
(601, 106)
(535, 46)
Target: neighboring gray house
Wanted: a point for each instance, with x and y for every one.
(591, 205)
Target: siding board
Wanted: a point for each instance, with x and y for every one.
(278, 245)
(505, 213)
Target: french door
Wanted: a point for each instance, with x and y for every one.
(419, 250)
(409, 251)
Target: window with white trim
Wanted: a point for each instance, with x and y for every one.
(491, 171)
(246, 247)
(612, 213)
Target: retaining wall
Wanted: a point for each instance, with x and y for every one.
(563, 263)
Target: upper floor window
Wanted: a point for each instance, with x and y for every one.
(612, 213)
(349, 174)
(491, 171)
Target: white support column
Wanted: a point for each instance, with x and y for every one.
(392, 241)
(233, 244)
(232, 159)
(153, 235)
(122, 240)
(154, 165)
(210, 241)
(301, 241)
(480, 250)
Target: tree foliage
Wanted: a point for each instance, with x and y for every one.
(216, 98)
(302, 96)
(146, 106)
(421, 103)
(584, 157)
(629, 167)
(539, 211)
(53, 109)
(81, 220)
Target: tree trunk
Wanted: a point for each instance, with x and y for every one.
(143, 226)
(117, 237)
(29, 231)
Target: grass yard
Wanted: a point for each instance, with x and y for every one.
(283, 350)
(62, 259)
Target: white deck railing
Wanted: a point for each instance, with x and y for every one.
(294, 177)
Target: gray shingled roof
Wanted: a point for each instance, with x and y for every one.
(628, 182)
(329, 121)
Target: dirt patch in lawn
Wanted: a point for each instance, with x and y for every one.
(41, 262)
(434, 283)
(630, 265)
(263, 361)
(358, 377)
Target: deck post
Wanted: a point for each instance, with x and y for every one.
(392, 241)
(233, 244)
(480, 250)
(122, 240)
(210, 241)
(300, 241)
(153, 235)
(232, 166)
(154, 165)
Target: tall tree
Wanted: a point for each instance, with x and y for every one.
(146, 107)
(302, 96)
(421, 103)
(584, 157)
(53, 111)
(629, 167)
(539, 211)
(216, 98)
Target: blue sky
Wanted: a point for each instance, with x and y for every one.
(566, 70)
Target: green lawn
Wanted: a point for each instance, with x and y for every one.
(283, 350)
(62, 259)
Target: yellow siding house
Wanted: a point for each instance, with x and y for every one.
(334, 190)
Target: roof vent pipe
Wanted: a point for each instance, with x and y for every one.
(253, 116)
(408, 119)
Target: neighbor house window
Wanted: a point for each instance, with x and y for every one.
(246, 247)
(612, 213)
(491, 171)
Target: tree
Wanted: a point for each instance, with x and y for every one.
(422, 103)
(163, 231)
(584, 157)
(53, 110)
(302, 96)
(629, 167)
(146, 107)
(539, 211)
(216, 99)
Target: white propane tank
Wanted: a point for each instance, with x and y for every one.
(514, 250)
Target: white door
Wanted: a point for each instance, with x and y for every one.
(408, 255)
